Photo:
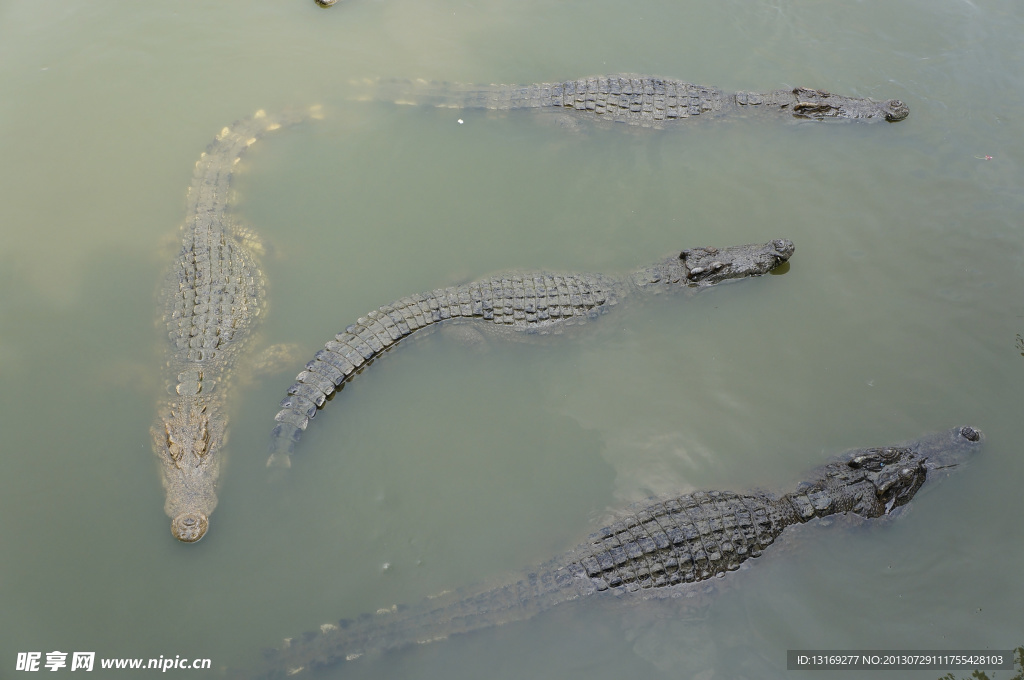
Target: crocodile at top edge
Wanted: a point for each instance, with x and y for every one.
(646, 101)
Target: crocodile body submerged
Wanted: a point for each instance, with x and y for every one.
(660, 546)
(533, 303)
(645, 100)
(211, 299)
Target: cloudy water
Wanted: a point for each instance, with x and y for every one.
(451, 461)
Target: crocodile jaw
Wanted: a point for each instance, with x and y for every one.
(188, 448)
(189, 527)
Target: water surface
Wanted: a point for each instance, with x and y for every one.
(452, 465)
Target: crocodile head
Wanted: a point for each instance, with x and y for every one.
(894, 110)
(186, 447)
(822, 105)
(895, 473)
(708, 266)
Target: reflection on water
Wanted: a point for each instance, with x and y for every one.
(455, 466)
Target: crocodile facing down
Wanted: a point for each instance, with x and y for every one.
(534, 303)
(211, 299)
(662, 545)
(644, 100)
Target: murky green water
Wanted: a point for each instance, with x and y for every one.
(899, 315)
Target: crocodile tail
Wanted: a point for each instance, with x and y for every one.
(525, 302)
(212, 175)
(648, 552)
(343, 357)
(460, 95)
(433, 619)
(638, 100)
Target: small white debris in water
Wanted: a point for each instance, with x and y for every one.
(460, 121)
(385, 566)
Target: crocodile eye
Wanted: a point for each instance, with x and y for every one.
(969, 433)
(169, 442)
(890, 454)
(868, 462)
(172, 447)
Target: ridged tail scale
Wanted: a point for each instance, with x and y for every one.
(524, 302)
(636, 100)
(687, 539)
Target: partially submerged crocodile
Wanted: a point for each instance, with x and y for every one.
(211, 299)
(663, 545)
(534, 303)
(644, 100)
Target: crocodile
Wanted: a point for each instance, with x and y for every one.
(657, 549)
(211, 299)
(532, 302)
(642, 100)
